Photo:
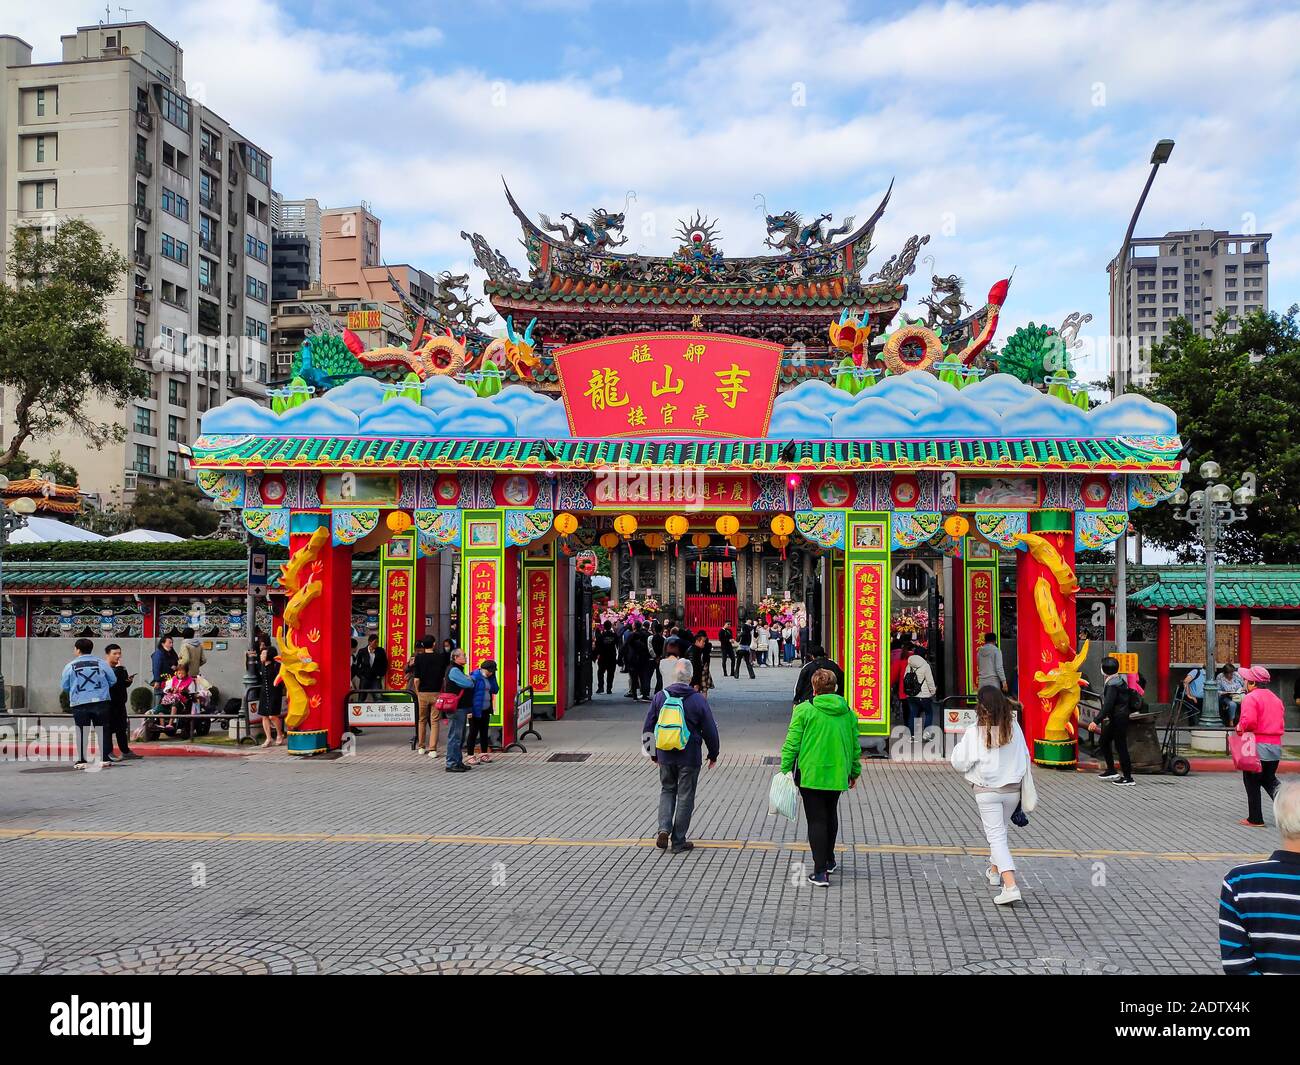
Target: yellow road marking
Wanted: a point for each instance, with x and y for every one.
(955, 850)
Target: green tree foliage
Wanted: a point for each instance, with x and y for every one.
(175, 507)
(53, 469)
(56, 351)
(1237, 396)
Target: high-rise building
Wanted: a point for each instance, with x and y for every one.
(295, 246)
(351, 264)
(1192, 274)
(108, 134)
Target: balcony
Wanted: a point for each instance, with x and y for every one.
(144, 355)
(142, 302)
(211, 204)
(142, 166)
(143, 119)
(179, 301)
(210, 288)
(232, 259)
(146, 468)
(142, 258)
(212, 247)
(143, 213)
(210, 158)
(232, 300)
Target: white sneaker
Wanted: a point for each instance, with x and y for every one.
(1007, 896)
(992, 876)
(433, 753)
(419, 750)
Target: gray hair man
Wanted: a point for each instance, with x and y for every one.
(1259, 904)
(679, 724)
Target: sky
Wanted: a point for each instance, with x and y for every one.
(1017, 135)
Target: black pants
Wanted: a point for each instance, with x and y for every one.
(1115, 732)
(120, 726)
(92, 717)
(478, 731)
(730, 666)
(605, 675)
(747, 656)
(822, 810)
(1265, 779)
(639, 678)
(659, 676)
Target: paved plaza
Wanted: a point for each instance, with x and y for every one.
(382, 862)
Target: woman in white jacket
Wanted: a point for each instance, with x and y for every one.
(994, 757)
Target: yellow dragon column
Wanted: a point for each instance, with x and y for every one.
(313, 636)
(1049, 665)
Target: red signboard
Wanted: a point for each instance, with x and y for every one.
(539, 670)
(669, 384)
(982, 620)
(868, 628)
(397, 624)
(483, 612)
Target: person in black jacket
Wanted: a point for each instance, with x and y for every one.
(605, 648)
(371, 665)
(1112, 723)
(803, 689)
(730, 667)
(700, 655)
(639, 663)
(119, 725)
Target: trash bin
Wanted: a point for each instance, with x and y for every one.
(1144, 744)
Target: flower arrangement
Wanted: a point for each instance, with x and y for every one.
(913, 622)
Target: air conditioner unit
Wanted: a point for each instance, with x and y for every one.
(129, 480)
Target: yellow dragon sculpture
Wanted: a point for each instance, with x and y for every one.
(1062, 683)
(300, 578)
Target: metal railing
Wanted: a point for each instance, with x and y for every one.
(143, 167)
(143, 119)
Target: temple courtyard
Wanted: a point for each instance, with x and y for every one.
(379, 861)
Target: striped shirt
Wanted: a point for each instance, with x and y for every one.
(1259, 917)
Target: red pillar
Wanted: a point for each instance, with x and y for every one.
(1162, 656)
(1244, 649)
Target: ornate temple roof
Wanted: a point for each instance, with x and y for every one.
(50, 498)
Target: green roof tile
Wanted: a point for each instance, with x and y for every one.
(222, 577)
(1266, 589)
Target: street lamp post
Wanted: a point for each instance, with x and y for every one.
(1210, 511)
(13, 517)
(1159, 156)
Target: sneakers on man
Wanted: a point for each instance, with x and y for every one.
(1125, 782)
(131, 755)
(661, 841)
(1109, 776)
(834, 867)
(1007, 896)
(819, 880)
(682, 848)
(459, 767)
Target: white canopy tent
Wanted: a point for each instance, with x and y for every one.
(147, 536)
(48, 531)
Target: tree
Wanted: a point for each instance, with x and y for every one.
(1237, 396)
(56, 350)
(53, 469)
(175, 507)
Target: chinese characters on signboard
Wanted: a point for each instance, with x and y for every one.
(664, 384)
(982, 611)
(397, 623)
(868, 635)
(483, 612)
(538, 671)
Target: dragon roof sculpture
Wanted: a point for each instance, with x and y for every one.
(583, 251)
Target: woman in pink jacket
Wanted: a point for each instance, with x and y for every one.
(1263, 717)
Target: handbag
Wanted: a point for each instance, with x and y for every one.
(1028, 792)
(783, 796)
(447, 701)
(1244, 755)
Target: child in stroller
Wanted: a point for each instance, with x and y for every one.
(181, 694)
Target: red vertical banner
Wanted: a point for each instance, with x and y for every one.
(539, 626)
(982, 617)
(396, 622)
(484, 578)
(869, 668)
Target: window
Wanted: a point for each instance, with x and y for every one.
(139, 335)
(174, 203)
(144, 421)
(143, 458)
(176, 250)
(207, 187)
(174, 394)
(40, 103)
(173, 427)
(256, 289)
(256, 248)
(254, 328)
(40, 194)
(171, 464)
(207, 272)
(40, 149)
(176, 109)
(258, 164)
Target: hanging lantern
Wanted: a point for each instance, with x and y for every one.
(566, 524)
(399, 521)
(609, 541)
(956, 526)
(783, 525)
(740, 540)
(653, 540)
(676, 526)
(780, 540)
(701, 540)
(625, 525)
(727, 525)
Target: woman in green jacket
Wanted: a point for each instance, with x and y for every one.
(823, 738)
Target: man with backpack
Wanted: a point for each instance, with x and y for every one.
(1118, 700)
(679, 724)
(918, 690)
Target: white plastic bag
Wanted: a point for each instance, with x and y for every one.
(1028, 792)
(783, 796)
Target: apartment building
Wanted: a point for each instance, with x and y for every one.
(295, 246)
(1192, 274)
(352, 264)
(109, 135)
(376, 324)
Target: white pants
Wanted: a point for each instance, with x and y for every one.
(996, 809)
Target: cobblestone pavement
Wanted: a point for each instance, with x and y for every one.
(383, 863)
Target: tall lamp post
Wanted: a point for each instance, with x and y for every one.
(1210, 511)
(12, 518)
(1159, 156)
